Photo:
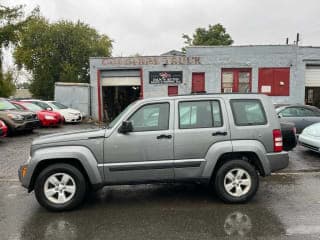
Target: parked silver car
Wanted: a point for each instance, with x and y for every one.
(301, 115)
(225, 140)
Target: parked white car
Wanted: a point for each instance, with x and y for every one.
(310, 137)
(69, 114)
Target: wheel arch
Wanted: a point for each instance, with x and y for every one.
(249, 150)
(77, 156)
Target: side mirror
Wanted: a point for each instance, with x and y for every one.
(126, 127)
(279, 116)
(49, 109)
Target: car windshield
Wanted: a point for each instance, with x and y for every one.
(114, 121)
(31, 106)
(5, 105)
(59, 105)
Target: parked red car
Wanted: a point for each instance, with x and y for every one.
(3, 129)
(47, 118)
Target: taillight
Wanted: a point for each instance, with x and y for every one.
(277, 140)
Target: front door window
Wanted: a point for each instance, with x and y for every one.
(152, 117)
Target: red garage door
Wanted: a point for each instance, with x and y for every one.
(198, 83)
(274, 81)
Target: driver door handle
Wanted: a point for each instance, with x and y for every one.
(219, 133)
(164, 136)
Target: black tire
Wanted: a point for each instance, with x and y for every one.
(219, 181)
(80, 186)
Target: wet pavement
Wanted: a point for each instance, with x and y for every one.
(287, 206)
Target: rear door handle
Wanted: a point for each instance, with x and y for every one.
(219, 133)
(164, 136)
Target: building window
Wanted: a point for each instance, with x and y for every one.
(236, 80)
(274, 81)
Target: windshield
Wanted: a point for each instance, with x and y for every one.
(31, 106)
(114, 122)
(59, 105)
(41, 104)
(5, 105)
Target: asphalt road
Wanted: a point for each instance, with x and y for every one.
(287, 206)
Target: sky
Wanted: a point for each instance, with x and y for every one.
(150, 27)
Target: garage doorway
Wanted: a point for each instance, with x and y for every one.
(312, 90)
(120, 88)
(116, 99)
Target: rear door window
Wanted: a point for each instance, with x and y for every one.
(247, 112)
(199, 114)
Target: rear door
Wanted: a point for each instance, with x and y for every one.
(198, 125)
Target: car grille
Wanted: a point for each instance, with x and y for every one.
(310, 146)
(30, 117)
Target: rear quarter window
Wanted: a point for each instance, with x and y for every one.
(248, 112)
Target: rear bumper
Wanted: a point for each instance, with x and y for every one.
(278, 161)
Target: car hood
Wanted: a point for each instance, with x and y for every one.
(68, 111)
(17, 111)
(46, 112)
(70, 136)
(313, 130)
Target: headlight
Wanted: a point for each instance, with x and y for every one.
(48, 117)
(16, 117)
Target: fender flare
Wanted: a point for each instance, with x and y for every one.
(80, 153)
(218, 149)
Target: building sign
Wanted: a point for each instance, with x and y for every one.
(159, 60)
(165, 77)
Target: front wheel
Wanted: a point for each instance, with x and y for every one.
(60, 187)
(236, 181)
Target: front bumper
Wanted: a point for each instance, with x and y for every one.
(23, 179)
(70, 119)
(278, 161)
(309, 142)
(27, 125)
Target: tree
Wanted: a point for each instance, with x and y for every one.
(215, 35)
(58, 52)
(7, 87)
(11, 22)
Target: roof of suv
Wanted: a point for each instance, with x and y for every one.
(208, 95)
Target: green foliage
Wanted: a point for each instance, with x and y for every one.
(7, 87)
(10, 24)
(215, 35)
(58, 52)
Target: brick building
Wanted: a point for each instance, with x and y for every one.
(288, 73)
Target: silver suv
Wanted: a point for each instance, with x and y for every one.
(225, 140)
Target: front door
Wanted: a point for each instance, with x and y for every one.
(199, 125)
(146, 153)
(198, 83)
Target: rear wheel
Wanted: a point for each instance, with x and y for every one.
(236, 181)
(60, 187)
